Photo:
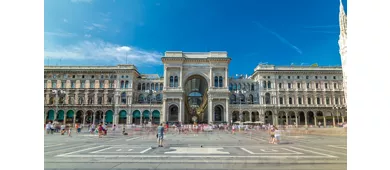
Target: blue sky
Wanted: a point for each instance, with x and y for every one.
(280, 32)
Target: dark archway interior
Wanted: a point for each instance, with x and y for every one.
(196, 99)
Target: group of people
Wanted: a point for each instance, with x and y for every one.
(52, 127)
(274, 135)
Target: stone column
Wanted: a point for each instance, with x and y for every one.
(315, 120)
(163, 118)
(66, 98)
(130, 119)
(165, 76)
(250, 116)
(334, 121)
(210, 116)
(342, 119)
(47, 98)
(76, 98)
(287, 118)
(296, 120)
(74, 119)
(226, 77)
(227, 111)
(105, 97)
(94, 118)
(64, 118)
(86, 97)
(305, 114)
(95, 101)
(84, 115)
(211, 78)
(104, 117)
(181, 77)
(324, 121)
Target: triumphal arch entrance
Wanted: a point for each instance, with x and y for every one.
(195, 87)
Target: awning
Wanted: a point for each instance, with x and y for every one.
(156, 114)
(146, 114)
(136, 114)
(122, 114)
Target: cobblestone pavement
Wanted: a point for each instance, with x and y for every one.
(214, 150)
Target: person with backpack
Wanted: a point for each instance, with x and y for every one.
(160, 135)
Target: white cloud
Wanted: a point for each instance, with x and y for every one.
(95, 26)
(87, 35)
(104, 51)
(60, 34)
(76, 1)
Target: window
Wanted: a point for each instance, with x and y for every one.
(327, 100)
(290, 100)
(334, 85)
(127, 84)
(139, 86)
(239, 86)
(147, 86)
(280, 85)
(100, 100)
(264, 84)
(62, 84)
(102, 76)
(65, 76)
(220, 81)
(230, 86)
(280, 77)
(72, 85)
(334, 77)
(176, 81)
(297, 77)
(152, 86)
(308, 100)
(82, 76)
(92, 85)
(101, 84)
(316, 77)
(299, 100)
(337, 100)
(216, 81)
(263, 77)
(123, 76)
(316, 85)
(299, 85)
(110, 85)
(252, 87)
(308, 85)
(45, 84)
(74, 76)
(53, 85)
(325, 77)
(269, 77)
(93, 76)
(123, 98)
(269, 84)
(82, 84)
(161, 86)
(326, 85)
(289, 85)
(267, 98)
(127, 76)
(170, 82)
(307, 77)
(54, 76)
(288, 77)
(281, 100)
(318, 100)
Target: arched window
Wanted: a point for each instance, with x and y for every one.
(171, 81)
(290, 100)
(139, 86)
(242, 98)
(149, 98)
(234, 86)
(101, 84)
(82, 84)
(161, 86)
(159, 97)
(127, 84)
(176, 84)
(143, 86)
(100, 100)
(269, 84)
(299, 100)
(264, 84)
(250, 99)
(45, 84)
(72, 84)
(267, 98)
(230, 87)
(51, 100)
(147, 86)
(62, 84)
(110, 85)
(239, 86)
(156, 87)
(216, 81)
(92, 85)
(252, 87)
(53, 84)
(152, 86)
(141, 98)
(123, 98)
(232, 99)
(220, 81)
(122, 84)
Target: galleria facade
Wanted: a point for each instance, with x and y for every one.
(195, 88)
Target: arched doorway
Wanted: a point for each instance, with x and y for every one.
(268, 119)
(173, 113)
(196, 101)
(245, 117)
(98, 117)
(301, 118)
(89, 117)
(218, 113)
(320, 118)
(108, 117)
(156, 117)
(69, 117)
(291, 119)
(122, 117)
(255, 116)
(50, 116)
(310, 118)
(146, 116)
(136, 117)
(235, 116)
(79, 117)
(60, 116)
(282, 118)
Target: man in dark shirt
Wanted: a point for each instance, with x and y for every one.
(160, 135)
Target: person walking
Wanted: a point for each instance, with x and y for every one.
(160, 135)
(48, 127)
(272, 134)
(277, 136)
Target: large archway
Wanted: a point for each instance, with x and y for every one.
(218, 113)
(60, 116)
(98, 117)
(156, 117)
(146, 116)
(235, 116)
(69, 117)
(310, 118)
(136, 117)
(173, 113)
(245, 116)
(89, 117)
(196, 99)
(301, 118)
(109, 117)
(268, 119)
(122, 117)
(50, 116)
(79, 117)
(255, 116)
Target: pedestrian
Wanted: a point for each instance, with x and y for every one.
(160, 135)
(272, 134)
(48, 127)
(77, 126)
(113, 129)
(100, 130)
(70, 131)
(277, 136)
(93, 129)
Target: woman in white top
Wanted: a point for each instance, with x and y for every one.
(277, 136)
